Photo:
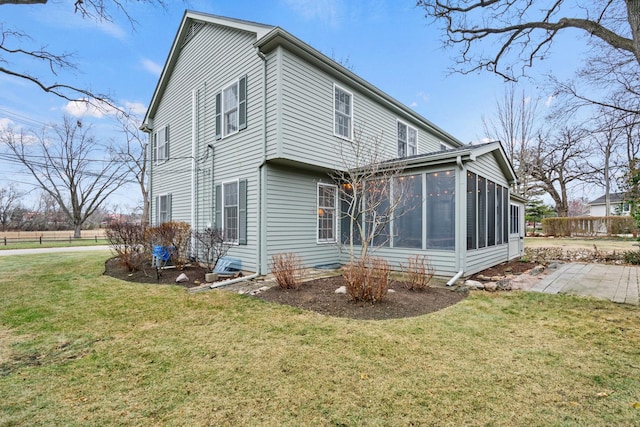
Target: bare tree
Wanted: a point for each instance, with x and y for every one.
(133, 154)
(17, 47)
(370, 192)
(61, 162)
(9, 198)
(514, 124)
(557, 161)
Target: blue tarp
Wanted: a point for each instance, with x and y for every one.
(163, 252)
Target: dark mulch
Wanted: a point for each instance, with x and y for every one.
(114, 268)
(319, 296)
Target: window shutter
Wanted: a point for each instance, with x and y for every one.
(168, 207)
(218, 207)
(166, 142)
(242, 104)
(154, 147)
(157, 203)
(242, 212)
(218, 116)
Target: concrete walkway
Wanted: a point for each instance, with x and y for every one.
(620, 284)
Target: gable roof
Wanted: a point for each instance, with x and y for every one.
(188, 18)
(268, 38)
(613, 198)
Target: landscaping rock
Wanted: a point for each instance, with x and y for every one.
(554, 266)
(490, 286)
(537, 270)
(495, 278)
(473, 284)
(341, 290)
(504, 284)
(182, 278)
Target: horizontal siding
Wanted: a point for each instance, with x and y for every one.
(481, 259)
(487, 167)
(292, 215)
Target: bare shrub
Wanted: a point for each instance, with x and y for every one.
(287, 269)
(212, 240)
(173, 234)
(127, 240)
(367, 279)
(419, 272)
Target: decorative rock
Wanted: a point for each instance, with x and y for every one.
(483, 278)
(495, 278)
(490, 286)
(391, 291)
(473, 284)
(554, 266)
(461, 290)
(341, 290)
(504, 285)
(537, 270)
(182, 278)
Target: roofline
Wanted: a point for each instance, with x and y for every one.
(253, 27)
(279, 37)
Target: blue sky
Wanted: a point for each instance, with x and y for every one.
(388, 42)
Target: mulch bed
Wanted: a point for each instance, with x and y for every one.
(319, 295)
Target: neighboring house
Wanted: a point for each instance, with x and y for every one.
(617, 205)
(247, 123)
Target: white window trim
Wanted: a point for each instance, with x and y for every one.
(335, 214)
(408, 126)
(236, 241)
(156, 158)
(336, 86)
(223, 121)
(167, 212)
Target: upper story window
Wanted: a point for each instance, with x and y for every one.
(343, 109)
(407, 140)
(161, 145)
(231, 108)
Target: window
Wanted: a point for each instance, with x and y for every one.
(472, 213)
(515, 219)
(407, 223)
(407, 140)
(441, 210)
(376, 199)
(231, 108)
(161, 145)
(343, 117)
(491, 213)
(163, 209)
(231, 211)
(326, 213)
(350, 214)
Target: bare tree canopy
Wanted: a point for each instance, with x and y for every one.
(17, 46)
(495, 35)
(65, 162)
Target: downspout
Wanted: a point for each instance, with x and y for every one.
(194, 104)
(259, 211)
(461, 259)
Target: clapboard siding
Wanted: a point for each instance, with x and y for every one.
(292, 216)
(480, 259)
(487, 167)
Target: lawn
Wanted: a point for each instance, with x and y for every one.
(79, 348)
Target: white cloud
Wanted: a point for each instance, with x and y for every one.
(88, 109)
(152, 67)
(325, 11)
(5, 123)
(549, 101)
(137, 108)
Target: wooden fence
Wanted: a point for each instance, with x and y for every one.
(590, 226)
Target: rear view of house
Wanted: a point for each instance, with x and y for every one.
(248, 125)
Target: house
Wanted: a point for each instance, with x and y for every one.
(618, 205)
(247, 124)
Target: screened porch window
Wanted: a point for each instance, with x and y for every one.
(407, 224)
(441, 210)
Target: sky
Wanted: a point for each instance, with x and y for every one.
(387, 42)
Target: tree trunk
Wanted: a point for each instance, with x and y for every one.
(633, 15)
(77, 230)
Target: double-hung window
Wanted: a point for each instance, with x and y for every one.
(163, 209)
(343, 113)
(231, 211)
(407, 140)
(231, 108)
(327, 195)
(161, 145)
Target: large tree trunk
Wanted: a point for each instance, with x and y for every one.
(633, 14)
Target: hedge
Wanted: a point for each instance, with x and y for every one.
(589, 226)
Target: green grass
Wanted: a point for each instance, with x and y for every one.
(52, 244)
(79, 348)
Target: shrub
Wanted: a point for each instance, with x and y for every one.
(175, 234)
(367, 279)
(214, 246)
(632, 257)
(127, 240)
(419, 272)
(287, 269)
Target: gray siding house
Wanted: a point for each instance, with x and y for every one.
(246, 125)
